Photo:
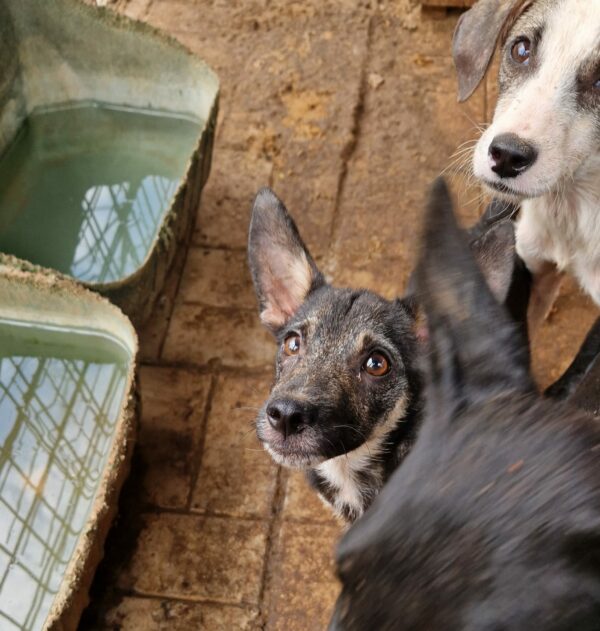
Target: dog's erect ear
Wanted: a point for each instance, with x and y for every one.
(494, 252)
(475, 39)
(474, 348)
(283, 271)
(492, 242)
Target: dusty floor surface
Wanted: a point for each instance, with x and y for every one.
(347, 108)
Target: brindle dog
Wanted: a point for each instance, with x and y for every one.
(346, 402)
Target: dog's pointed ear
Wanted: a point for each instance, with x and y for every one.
(474, 348)
(492, 242)
(494, 252)
(475, 39)
(283, 270)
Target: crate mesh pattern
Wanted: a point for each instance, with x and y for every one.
(56, 421)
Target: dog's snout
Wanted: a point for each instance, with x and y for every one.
(510, 155)
(287, 416)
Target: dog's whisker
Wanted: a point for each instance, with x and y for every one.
(355, 429)
(459, 165)
(464, 113)
(460, 161)
(361, 434)
(467, 143)
(461, 152)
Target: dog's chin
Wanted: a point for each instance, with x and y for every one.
(298, 451)
(294, 459)
(499, 189)
(512, 193)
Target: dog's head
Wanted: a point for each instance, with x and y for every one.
(347, 367)
(546, 127)
(493, 522)
(345, 362)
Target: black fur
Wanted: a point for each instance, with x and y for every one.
(493, 521)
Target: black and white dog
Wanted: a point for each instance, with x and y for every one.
(346, 402)
(493, 521)
(543, 146)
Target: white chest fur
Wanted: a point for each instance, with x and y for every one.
(564, 228)
(356, 477)
(342, 475)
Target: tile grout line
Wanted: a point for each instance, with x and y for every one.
(152, 510)
(178, 282)
(227, 309)
(274, 530)
(132, 593)
(350, 147)
(199, 450)
(178, 268)
(486, 92)
(302, 521)
(486, 109)
(212, 367)
(212, 308)
(237, 249)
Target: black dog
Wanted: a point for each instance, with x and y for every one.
(347, 401)
(493, 521)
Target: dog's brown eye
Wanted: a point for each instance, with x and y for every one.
(291, 344)
(521, 51)
(377, 365)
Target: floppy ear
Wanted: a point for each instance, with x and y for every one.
(475, 40)
(283, 271)
(474, 347)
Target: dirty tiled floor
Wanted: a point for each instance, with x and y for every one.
(347, 108)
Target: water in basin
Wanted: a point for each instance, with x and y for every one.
(61, 393)
(84, 188)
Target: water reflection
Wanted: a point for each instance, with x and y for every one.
(60, 397)
(84, 189)
(119, 225)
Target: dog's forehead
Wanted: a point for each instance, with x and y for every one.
(344, 317)
(570, 30)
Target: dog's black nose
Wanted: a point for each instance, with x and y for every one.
(288, 416)
(511, 155)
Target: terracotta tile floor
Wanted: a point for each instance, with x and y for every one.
(347, 108)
